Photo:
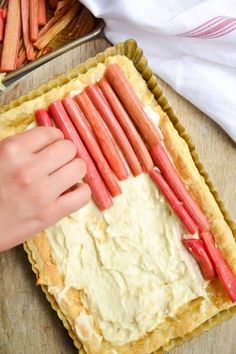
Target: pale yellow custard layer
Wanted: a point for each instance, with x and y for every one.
(129, 260)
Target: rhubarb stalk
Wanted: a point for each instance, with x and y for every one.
(174, 202)
(91, 144)
(53, 20)
(42, 18)
(2, 25)
(11, 37)
(127, 125)
(225, 274)
(43, 118)
(33, 15)
(4, 13)
(107, 115)
(132, 104)
(57, 27)
(163, 162)
(99, 191)
(25, 29)
(197, 250)
(103, 136)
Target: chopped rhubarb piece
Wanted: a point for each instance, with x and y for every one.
(11, 37)
(25, 29)
(99, 191)
(225, 274)
(103, 136)
(163, 162)
(2, 25)
(33, 15)
(57, 27)
(43, 118)
(42, 18)
(174, 202)
(90, 142)
(132, 104)
(127, 125)
(107, 115)
(196, 248)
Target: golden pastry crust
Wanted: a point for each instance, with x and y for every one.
(190, 316)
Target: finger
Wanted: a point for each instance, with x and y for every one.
(66, 177)
(72, 201)
(38, 138)
(55, 156)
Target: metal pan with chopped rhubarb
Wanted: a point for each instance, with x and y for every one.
(113, 134)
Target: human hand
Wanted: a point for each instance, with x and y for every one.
(36, 168)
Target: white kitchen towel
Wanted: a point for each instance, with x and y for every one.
(191, 44)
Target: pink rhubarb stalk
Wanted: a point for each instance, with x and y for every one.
(26, 30)
(42, 15)
(127, 125)
(103, 136)
(174, 202)
(132, 104)
(225, 274)
(12, 36)
(89, 140)
(163, 162)
(43, 118)
(33, 15)
(107, 115)
(197, 250)
(99, 191)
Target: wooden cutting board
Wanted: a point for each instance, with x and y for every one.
(27, 323)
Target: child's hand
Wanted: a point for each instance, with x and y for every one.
(36, 168)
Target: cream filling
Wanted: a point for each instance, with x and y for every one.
(152, 115)
(129, 260)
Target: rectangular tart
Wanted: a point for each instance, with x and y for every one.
(121, 280)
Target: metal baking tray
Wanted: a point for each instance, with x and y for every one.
(43, 59)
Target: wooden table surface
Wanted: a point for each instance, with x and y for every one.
(28, 325)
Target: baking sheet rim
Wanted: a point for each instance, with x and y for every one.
(55, 53)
